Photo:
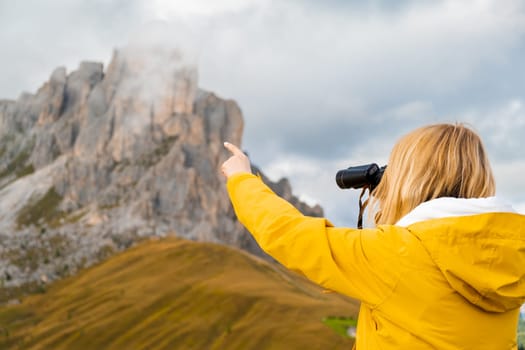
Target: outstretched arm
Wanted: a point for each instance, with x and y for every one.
(349, 261)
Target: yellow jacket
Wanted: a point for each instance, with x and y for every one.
(438, 283)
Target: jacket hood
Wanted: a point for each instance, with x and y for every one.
(479, 246)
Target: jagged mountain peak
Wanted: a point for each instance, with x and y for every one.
(97, 160)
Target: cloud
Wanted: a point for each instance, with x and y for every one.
(42, 35)
(322, 85)
(509, 179)
(332, 81)
(520, 208)
(169, 9)
(368, 6)
(502, 128)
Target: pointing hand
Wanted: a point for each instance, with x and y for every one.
(237, 163)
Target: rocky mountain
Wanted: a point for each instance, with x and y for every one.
(97, 160)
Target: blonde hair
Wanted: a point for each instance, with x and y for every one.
(442, 160)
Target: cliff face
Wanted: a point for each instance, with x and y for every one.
(97, 160)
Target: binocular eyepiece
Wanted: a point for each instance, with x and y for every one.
(356, 177)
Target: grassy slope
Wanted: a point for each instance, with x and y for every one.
(177, 294)
(521, 332)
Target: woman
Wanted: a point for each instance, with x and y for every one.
(444, 267)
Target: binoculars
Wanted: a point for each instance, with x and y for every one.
(360, 176)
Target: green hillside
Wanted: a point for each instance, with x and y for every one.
(177, 294)
(521, 332)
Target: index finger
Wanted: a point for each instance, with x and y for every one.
(233, 149)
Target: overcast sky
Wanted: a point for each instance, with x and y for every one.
(322, 84)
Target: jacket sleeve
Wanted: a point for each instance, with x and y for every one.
(357, 263)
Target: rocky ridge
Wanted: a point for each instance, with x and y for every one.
(98, 160)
